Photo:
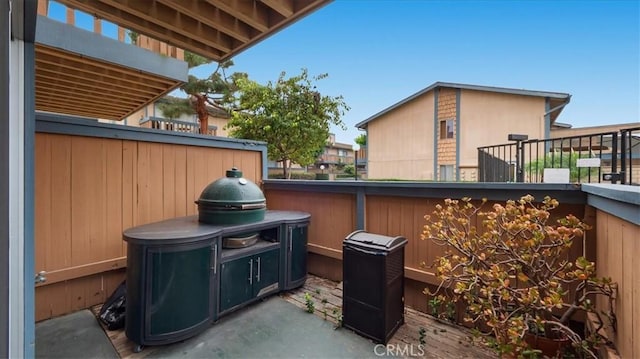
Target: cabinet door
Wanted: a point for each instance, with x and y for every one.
(297, 255)
(180, 291)
(266, 272)
(236, 282)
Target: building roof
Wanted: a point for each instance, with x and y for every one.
(345, 146)
(559, 97)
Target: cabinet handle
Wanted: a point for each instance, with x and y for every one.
(215, 259)
(250, 271)
(258, 275)
(290, 239)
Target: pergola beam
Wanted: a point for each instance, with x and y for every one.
(155, 12)
(250, 12)
(213, 17)
(145, 27)
(283, 7)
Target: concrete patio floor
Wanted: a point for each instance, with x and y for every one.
(278, 327)
(273, 328)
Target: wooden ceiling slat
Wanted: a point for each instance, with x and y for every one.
(78, 110)
(57, 57)
(283, 7)
(66, 83)
(144, 27)
(47, 105)
(250, 12)
(91, 107)
(113, 71)
(80, 73)
(75, 113)
(96, 80)
(213, 17)
(173, 20)
(81, 100)
(73, 93)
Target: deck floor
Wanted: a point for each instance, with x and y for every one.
(442, 340)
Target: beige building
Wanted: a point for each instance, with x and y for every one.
(151, 116)
(335, 153)
(601, 137)
(434, 134)
(568, 131)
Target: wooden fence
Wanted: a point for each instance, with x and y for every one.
(389, 209)
(95, 180)
(618, 243)
(89, 188)
(398, 209)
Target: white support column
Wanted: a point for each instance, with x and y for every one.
(16, 199)
(5, 37)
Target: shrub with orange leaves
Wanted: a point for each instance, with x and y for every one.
(512, 271)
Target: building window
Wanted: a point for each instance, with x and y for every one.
(342, 153)
(446, 129)
(446, 173)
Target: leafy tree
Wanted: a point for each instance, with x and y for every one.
(215, 90)
(174, 107)
(361, 139)
(290, 115)
(349, 169)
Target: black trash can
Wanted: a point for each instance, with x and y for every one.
(373, 288)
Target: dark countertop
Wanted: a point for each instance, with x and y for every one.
(187, 229)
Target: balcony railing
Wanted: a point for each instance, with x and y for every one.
(604, 157)
(175, 125)
(335, 159)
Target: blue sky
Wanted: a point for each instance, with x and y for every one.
(378, 52)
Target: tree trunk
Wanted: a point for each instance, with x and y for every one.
(203, 114)
(285, 169)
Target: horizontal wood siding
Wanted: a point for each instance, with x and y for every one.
(618, 250)
(88, 190)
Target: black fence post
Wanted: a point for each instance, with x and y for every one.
(520, 149)
(623, 157)
(614, 157)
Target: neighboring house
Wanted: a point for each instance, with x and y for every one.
(335, 153)
(569, 131)
(602, 137)
(434, 134)
(151, 116)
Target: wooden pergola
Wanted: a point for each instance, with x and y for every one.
(79, 73)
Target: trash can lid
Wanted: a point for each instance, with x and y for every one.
(372, 240)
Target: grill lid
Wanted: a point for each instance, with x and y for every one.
(378, 242)
(232, 192)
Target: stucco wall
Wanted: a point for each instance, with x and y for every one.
(400, 143)
(487, 118)
(220, 123)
